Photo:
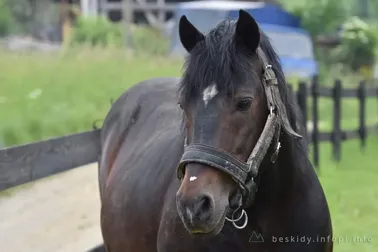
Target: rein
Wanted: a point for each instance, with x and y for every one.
(244, 173)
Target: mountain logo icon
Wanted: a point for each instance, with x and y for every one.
(255, 237)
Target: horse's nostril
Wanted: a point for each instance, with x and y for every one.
(203, 208)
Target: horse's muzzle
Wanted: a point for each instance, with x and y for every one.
(196, 213)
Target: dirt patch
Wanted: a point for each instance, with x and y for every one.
(60, 213)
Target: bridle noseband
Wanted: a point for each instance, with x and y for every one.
(244, 173)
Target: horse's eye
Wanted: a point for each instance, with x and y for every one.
(244, 104)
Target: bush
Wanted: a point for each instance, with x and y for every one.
(149, 40)
(358, 44)
(318, 17)
(6, 19)
(101, 32)
(95, 32)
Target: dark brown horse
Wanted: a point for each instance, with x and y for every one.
(213, 161)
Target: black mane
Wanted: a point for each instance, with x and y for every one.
(216, 59)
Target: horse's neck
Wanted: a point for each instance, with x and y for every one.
(277, 187)
(278, 179)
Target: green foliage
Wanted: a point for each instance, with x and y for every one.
(320, 16)
(23, 13)
(96, 32)
(100, 32)
(6, 19)
(359, 42)
(149, 40)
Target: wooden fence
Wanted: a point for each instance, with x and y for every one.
(313, 92)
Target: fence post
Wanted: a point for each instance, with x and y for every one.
(302, 102)
(315, 117)
(337, 134)
(291, 92)
(128, 16)
(362, 113)
(161, 14)
(102, 8)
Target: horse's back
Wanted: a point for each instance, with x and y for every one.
(137, 117)
(141, 146)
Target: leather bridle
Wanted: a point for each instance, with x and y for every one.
(244, 173)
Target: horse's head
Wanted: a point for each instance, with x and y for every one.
(224, 103)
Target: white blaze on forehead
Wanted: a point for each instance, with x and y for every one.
(192, 178)
(209, 93)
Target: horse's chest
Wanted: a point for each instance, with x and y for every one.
(225, 245)
(230, 239)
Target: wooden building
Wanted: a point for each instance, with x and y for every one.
(139, 16)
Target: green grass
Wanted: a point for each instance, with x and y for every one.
(47, 95)
(352, 193)
(42, 96)
(349, 113)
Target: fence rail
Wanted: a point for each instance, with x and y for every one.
(337, 135)
(29, 162)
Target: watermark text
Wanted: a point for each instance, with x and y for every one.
(257, 237)
(322, 239)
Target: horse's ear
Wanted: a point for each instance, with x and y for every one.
(189, 35)
(247, 31)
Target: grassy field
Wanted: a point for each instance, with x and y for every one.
(350, 185)
(352, 192)
(43, 96)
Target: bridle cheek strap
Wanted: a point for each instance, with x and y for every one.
(273, 96)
